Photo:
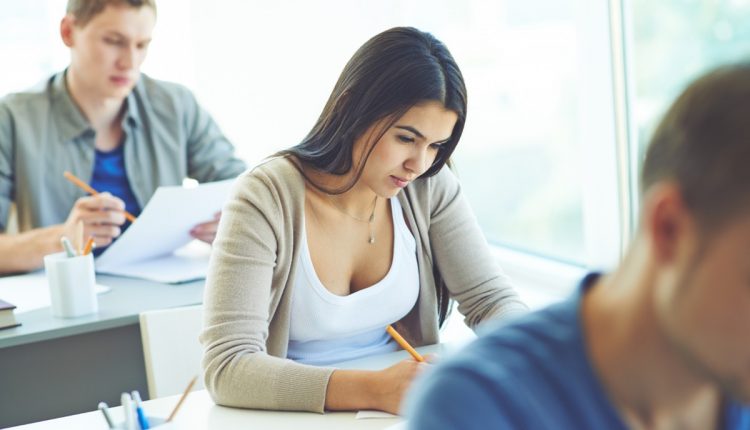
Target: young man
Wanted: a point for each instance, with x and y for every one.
(661, 343)
(123, 132)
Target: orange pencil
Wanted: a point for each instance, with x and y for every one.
(89, 245)
(86, 187)
(404, 344)
(182, 399)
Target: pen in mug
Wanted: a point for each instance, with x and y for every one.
(142, 420)
(404, 344)
(128, 411)
(68, 247)
(105, 411)
(89, 245)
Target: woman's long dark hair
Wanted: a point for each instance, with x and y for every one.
(388, 75)
(392, 72)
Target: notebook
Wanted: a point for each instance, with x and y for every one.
(7, 317)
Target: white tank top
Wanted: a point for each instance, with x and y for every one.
(326, 328)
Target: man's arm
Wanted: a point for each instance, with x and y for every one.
(25, 251)
(101, 215)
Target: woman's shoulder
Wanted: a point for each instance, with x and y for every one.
(275, 177)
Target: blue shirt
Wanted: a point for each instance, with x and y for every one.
(533, 373)
(110, 176)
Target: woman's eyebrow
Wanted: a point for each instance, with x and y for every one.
(411, 129)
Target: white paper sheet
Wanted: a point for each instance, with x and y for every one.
(147, 248)
(186, 264)
(31, 291)
(368, 414)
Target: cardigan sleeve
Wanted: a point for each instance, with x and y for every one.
(463, 257)
(241, 283)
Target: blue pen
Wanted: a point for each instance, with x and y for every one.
(142, 420)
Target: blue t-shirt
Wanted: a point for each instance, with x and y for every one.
(533, 373)
(110, 176)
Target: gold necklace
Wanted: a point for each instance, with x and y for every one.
(369, 220)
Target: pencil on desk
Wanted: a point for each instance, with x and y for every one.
(182, 398)
(404, 344)
(86, 187)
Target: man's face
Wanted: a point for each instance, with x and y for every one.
(704, 309)
(107, 52)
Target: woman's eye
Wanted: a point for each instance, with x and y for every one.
(405, 139)
(436, 146)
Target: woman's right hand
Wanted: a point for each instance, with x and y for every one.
(102, 216)
(392, 383)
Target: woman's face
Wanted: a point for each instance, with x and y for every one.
(406, 150)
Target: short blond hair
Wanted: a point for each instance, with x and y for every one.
(85, 10)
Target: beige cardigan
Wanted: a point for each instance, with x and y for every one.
(254, 260)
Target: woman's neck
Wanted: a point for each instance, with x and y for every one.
(356, 201)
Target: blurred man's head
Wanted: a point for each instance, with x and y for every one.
(108, 41)
(696, 223)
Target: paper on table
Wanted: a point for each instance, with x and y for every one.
(186, 264)
(163, 227)
(31, 291)
(366, 414)
(403, 425)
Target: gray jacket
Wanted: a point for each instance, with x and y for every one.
(167, 137)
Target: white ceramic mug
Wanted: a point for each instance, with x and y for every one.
(72, 284)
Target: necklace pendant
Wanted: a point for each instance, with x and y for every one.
(371, 241)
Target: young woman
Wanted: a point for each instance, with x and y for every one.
(357, 227)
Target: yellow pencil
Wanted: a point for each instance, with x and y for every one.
(89, 245)
(182, 398)
(86, 187)
(404, 344)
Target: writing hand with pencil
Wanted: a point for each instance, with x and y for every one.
(101, 216)
(393, 382)
(381, 389)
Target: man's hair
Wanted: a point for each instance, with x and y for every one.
(703, 144)
(85, 10)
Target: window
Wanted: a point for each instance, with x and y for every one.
(537, 160)
(537, 72)
(673, 42)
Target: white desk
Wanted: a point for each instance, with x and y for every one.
(200, 412)
(54, 367)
